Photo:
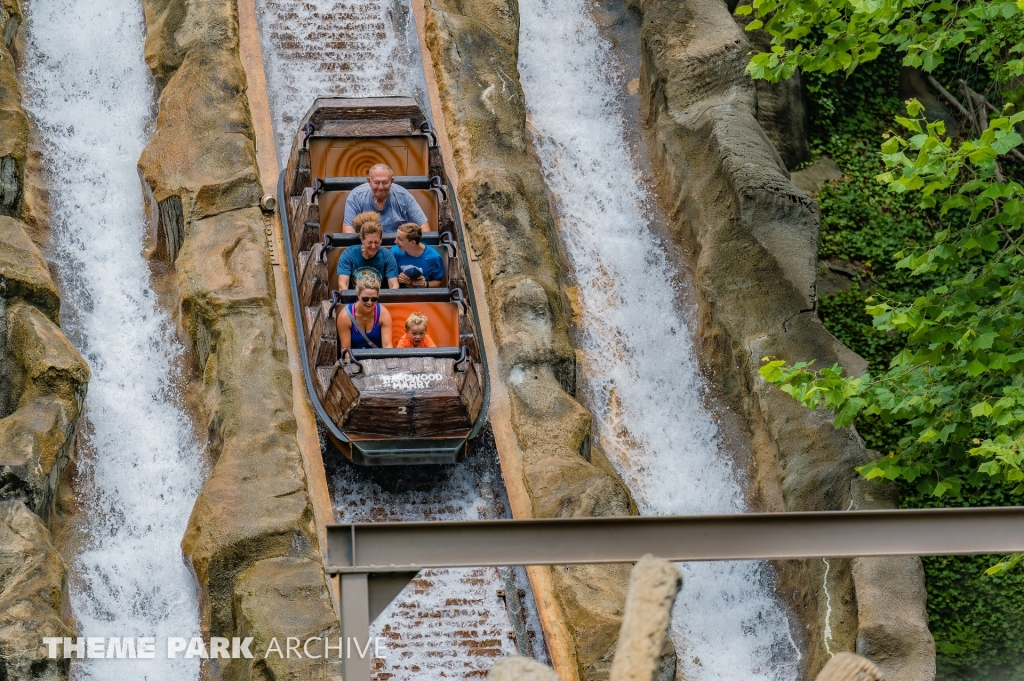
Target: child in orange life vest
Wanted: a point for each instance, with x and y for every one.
(416, 333)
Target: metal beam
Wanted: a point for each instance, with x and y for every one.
(355, 627)
(407, 547)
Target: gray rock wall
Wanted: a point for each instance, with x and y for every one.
(474, 47)
(251, 537)
(754, 240)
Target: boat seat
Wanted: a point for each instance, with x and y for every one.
(346, 239)
(334, 254)
(354, 156)
(442, 320)
(344, 184)
(332, 208)
(406, 295)
(442, 324)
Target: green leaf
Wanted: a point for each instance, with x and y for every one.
(981, 409)
(975, 368)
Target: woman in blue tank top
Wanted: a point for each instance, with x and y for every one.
(365, 323)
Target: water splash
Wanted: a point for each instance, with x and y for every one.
(89, 92)
(448, 623)
(640, 373)
(351, 48)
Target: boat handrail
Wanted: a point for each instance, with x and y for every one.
(357, 357)
(345, 184)
(345, 239)
(404, 295)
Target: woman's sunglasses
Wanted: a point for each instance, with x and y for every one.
(368, 299)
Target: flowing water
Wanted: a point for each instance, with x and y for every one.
(353, 48)
(641, 376)
(91, 97)
(448, 623)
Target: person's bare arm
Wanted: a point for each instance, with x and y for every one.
(342, 282)
(434, 284)
(393, 282)
(344, 329)
(425, 227)
(421, 282)
(385, 327)
(348, 229)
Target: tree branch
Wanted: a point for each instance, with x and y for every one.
(983, 104)
(950, 98)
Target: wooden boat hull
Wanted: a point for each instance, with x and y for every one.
(383, 406)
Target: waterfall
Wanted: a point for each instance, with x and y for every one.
(641, 376)
(351, 48)
(90, 94)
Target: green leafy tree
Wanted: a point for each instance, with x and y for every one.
(957, 387)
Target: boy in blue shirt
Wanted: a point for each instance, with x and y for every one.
(368, 256)
(419, 265)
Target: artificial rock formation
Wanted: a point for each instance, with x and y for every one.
(653, 585)
(43, 381)
(43, 377)
(31, 581)
(474, 49)
(754, 239)
(13, 121)
(779, 107)
(252, 537)
(639, 653)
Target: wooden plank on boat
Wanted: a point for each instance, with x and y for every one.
(341, 396)
(471, 390)
(296, 175)
(367, 128)
(323, 379)
(323, 337)
(305, 222)
(370, 108)
(309, 317)
(313, 284)
(408, 397)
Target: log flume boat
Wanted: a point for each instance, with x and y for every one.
(381, 406)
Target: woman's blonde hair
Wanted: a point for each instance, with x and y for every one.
(416, 319)
(366, 223)
(367, 281)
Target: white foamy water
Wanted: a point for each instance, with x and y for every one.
(351, 48)
(448, 623)
(641, 379)
(90, 94)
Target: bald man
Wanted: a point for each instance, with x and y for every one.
(394, 203)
